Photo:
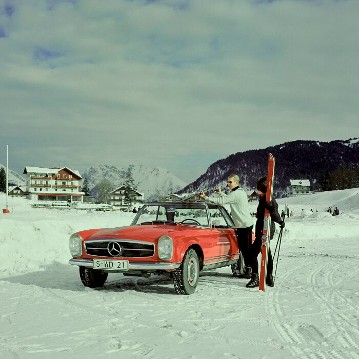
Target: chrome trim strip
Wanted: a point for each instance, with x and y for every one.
(219, 264)
(131, 266)
(127, 249)
(221, 258)
(119, 240)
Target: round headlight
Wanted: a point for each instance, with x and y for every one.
(165, 247)
(75, 245)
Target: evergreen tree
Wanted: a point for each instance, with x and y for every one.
(130, 187)
(2, 180)
(325, 181)
(85, 187)
(343, 177)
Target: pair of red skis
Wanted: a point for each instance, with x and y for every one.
(266, 226)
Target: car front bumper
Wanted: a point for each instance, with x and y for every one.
(139, 266)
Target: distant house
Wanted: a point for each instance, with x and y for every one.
(53, 184)
(17, 191)
(117, 198)
(173, 197)
(252, 196)
(299, 187)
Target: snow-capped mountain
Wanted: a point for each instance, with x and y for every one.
(153, 182)
(14, 177)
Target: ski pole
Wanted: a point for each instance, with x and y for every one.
(279, 236)
(279, 241)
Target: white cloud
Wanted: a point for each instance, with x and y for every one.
(123, 82)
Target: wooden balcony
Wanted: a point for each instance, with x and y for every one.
(41, 177)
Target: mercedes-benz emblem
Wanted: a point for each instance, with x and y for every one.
(114, 249)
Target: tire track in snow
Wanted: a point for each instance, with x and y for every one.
(286, 332)
(339, 322)
(308, 341)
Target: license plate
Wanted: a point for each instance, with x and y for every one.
(110, 264)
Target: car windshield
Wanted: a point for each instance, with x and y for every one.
(197, 214)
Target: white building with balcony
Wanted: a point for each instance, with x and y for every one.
(53, 184)
(297, 187)
(117, 198)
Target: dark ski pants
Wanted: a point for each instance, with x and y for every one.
(254, 250)
(244, 238)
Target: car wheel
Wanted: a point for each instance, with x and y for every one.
(92, 278)
(185, 278)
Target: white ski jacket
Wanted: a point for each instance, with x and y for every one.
(238, 202)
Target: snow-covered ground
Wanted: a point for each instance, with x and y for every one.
(311, 312)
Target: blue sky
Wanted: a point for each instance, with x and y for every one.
(172, 83)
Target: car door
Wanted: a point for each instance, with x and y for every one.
(222, 244)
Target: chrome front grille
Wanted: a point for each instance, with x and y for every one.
(119, 248)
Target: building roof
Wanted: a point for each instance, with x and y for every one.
(11, 188)
(301, 182)
(49, 170)
(123, 187)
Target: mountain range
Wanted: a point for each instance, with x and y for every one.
(294, 160)
(14, 177)
(153, 182)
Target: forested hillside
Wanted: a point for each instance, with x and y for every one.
(328, 165)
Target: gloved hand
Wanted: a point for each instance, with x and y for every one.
(282, 225)
(270, 206)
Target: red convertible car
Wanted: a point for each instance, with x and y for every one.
(178, 239)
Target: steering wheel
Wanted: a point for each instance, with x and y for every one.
(190, 220)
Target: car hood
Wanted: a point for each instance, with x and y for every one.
(145, 233)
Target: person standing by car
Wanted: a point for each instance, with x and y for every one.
(238, 201)
(255, 248)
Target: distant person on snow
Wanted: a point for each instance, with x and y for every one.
(255, 248)
(238, 202)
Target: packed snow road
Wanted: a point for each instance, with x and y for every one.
(311, 312)
(46, 312)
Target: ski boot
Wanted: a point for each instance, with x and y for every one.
(254, 282)
(270, 280)
(235, 270)
(246, 274)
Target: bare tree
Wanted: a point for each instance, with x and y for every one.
(103, 190)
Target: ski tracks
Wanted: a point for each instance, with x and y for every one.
(329, 301)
